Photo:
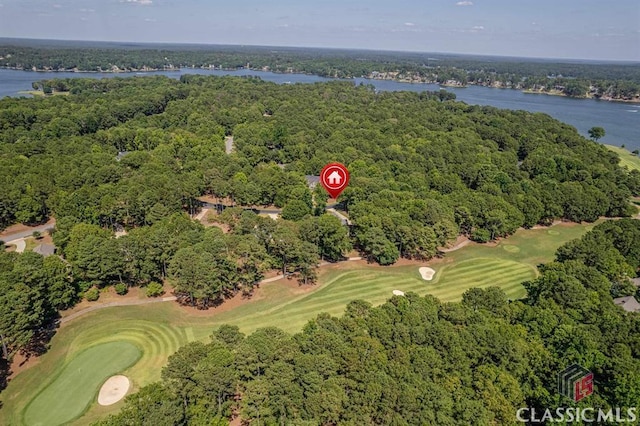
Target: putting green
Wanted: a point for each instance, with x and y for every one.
(69, 394)
(511, 248)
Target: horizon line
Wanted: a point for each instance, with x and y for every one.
(344, 49)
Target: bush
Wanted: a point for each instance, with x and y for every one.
(37, 235)
(92, 294)
(481, 235)
(121, 289)
(154, 290)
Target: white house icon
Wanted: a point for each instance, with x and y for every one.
(335, 178)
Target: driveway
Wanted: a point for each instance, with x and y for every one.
(7, 237)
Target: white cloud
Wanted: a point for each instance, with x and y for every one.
(140, 2)
(87, 10)
(57, 6)
(478, 28)
(409, 24)
(464, 3)
(150, 20)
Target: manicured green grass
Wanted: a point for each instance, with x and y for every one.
(160, 329)
(482, 272)
(627, 159)
(30, 243)
(67, 395)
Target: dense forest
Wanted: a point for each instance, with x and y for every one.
(137, 153)
(619, 81)
(416, 361)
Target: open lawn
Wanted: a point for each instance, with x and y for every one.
(627, 159)
(158, 330)
(41, 93)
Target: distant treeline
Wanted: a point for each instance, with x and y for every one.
(577, 79)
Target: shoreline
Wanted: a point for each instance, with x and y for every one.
(442, 86)
(588, 97)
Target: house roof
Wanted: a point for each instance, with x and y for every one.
(636, 282)
(312, 181)
(45, 249)
(628, 303)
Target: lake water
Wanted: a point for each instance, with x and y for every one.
(620, 120)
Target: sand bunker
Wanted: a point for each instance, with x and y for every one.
(427, 273)
(398, 293)
(113, 390)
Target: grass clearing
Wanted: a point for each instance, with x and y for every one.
(40, 93)
(158, 330)
(68, 394)
(31, 243)
(627, 159)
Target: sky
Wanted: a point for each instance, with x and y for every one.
(582, 29)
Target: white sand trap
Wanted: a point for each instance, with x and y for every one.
(398, 293)
(113, 390)
(427, 273)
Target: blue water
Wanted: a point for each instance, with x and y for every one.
(620, 120)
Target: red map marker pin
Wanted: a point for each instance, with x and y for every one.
(334, 177)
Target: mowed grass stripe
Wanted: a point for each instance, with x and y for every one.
(330, 294)
(482, 273)
(351, 290)
(351, 286)
(355, 289)
(489, 278)
(479, 266)
(452, 294)
(156, 342)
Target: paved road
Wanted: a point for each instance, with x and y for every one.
(228, 144)
(25, 234)
(20, 245)
(343, 219)
(458, 246)
(330, 209)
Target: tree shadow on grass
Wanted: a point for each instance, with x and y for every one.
(41, 340)
(5, 372)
